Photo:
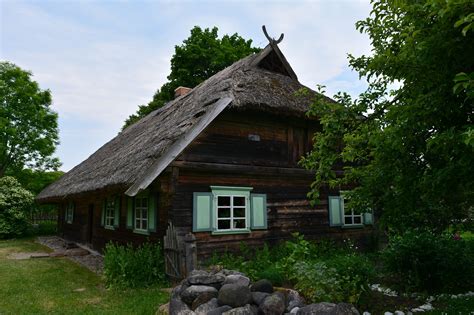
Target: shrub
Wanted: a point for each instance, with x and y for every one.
(128, 267)
(429, 262)
(15, 202)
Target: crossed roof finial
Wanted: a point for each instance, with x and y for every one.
(270, 39)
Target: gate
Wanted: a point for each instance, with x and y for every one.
(173, 252)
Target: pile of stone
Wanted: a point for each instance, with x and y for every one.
(231, 293)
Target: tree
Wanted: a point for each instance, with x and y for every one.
(15, 203)
(406, 149)
(200, 56)
(35, 180)
(28, 126)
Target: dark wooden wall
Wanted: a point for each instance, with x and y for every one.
(224, 155)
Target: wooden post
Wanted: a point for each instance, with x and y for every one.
(190, 252)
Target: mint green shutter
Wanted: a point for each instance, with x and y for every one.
(117, 212)
(102, 219)
(66, 212)
(73, 207)
(129, 212)
(202, 211)
(335, 211)
(368, 218)
(152, 213)
(258, 211)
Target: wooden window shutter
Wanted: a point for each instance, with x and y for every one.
(73, 208)
(117, 212)
(368, 218)
(335, 211)
(202, 211)
(152, 205)
(258, 211)
(129, 212)
(102, 219)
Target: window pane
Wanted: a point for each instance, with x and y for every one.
(239, 212)
(347, 220)
(223, 201)
(144, 213)
(239, 201)
(223, 212)
(223, 224)
(137, 224)
(239, 224)
(357, 220)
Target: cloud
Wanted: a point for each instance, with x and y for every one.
(102, 59)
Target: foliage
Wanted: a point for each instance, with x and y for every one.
(35, 180)
(406, 142)
(129, 267)
(15, 202)
(430, 262)
(28, 126)
(320, 271)
(61, 286)
(201, 55)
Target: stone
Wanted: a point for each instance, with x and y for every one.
(76, 252)
(234, 295)
(294, 310)
(366, 313)
(79, 290)
(388, 313)
(197, 272)
(163, 309)
(398, 313)
(237, 279)
(220, 310)
(177, 306)
(323, 308)
(39, 255)
(190, 294)
(263, 285)
(259, 297)
(294, 299)
(273, 304)
(345, 309)
(227, 272)
(209, 280)
(243, 310)
(205, 308)
(59, 253)
(203, 298)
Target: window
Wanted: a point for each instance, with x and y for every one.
(350, 217)
(69, 212)
(110, 212)
(231, 213)
(141, 214)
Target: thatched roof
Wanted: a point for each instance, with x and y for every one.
(136, 156)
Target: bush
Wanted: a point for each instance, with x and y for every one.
(15, 203)
(128, 267)
(429, 262)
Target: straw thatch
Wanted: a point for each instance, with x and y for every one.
(262, 81)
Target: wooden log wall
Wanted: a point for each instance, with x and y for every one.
(227, 154)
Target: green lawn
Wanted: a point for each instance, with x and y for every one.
(47, 286)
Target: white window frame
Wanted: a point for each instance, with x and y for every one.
(231, 218)
(352, 215)
(142, 220)
(109, 216)
(70, 212)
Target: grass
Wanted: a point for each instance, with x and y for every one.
(47, 286)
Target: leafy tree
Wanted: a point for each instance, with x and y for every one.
(406, 149)
(200, 56)
(15, 202)
(28, 126)
(35, 180)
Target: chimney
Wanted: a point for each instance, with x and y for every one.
(180, 91)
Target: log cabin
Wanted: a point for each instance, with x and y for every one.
(219, 161)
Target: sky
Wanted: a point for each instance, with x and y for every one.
(101, 59)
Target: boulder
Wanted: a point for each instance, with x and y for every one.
(227, 272)
(294, 299)
(273, 304)
(163, 309)
(197, 272)
(237, 279)
(243, 310)
(259, 297)
(207, 307)
(234, 295)
(203, 298)
(190, 294)
(325, 308)
(220, 310)
(294, 310)
(263, 285)
(178, 307)
(76, 252)
(210, 280)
